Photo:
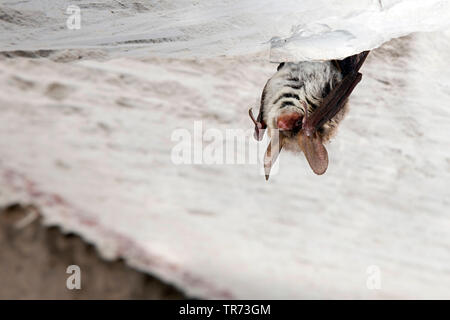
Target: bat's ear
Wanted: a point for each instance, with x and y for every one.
(272, 152)
(315, 152)
(260, 126)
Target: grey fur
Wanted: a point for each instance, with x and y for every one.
(309, 82)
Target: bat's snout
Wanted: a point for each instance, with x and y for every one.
(289, 121)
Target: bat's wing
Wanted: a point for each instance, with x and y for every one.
(336, 99)
(332, 103)
(309, 140)
(352, 63)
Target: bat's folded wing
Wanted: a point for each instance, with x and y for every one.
(352, 63)
(337, 97)
(332, 103)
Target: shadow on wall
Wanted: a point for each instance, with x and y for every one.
(34, 261)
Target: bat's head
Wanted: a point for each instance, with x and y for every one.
(284, 111)
(296, 90)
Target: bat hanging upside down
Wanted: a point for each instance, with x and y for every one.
(304, 103)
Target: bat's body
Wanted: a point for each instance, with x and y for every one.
(304, 103)
(294, 86)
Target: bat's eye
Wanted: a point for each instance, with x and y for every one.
(280, 66)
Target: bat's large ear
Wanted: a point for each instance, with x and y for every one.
(260, 126)
(315, 152)
(272, 152)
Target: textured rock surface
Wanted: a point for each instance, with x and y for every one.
(34, 260)
(89, 143)
(295, 30)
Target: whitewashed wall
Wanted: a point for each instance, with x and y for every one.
(284, 31)
(89, 142)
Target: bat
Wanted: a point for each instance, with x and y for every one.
(302, 105)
